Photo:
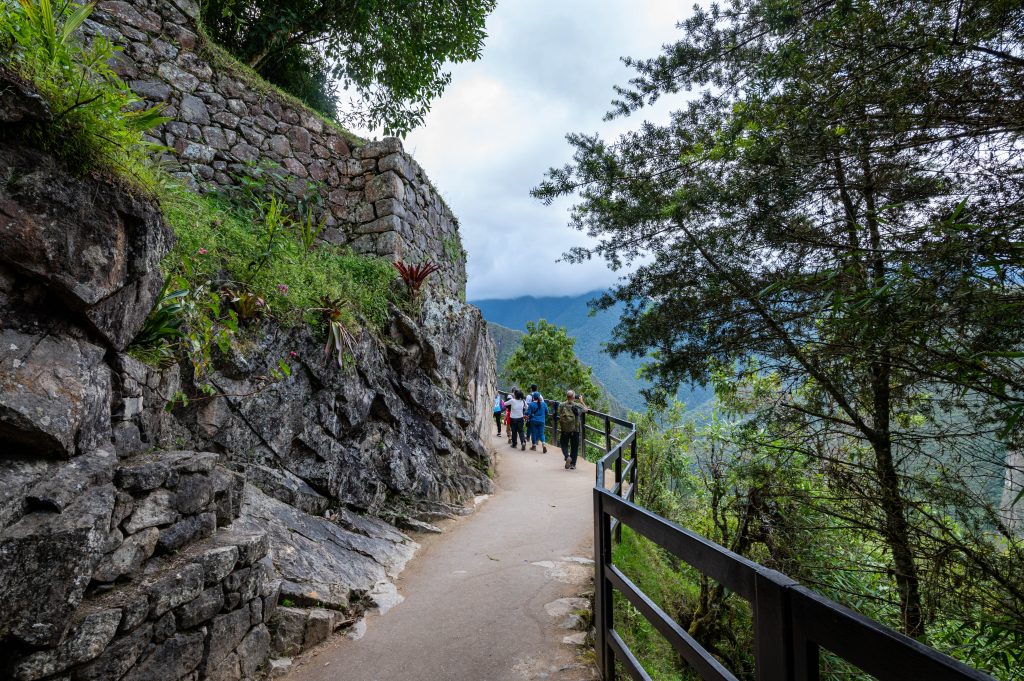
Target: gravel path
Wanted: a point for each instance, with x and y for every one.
(484, 600)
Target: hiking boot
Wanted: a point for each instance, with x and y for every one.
(533, 448)
(572, 468)
(544, 449)
(524, 448)
(567, 464)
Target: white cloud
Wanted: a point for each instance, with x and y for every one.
(547, 69)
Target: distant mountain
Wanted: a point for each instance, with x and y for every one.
(619, 375)
(506, 340)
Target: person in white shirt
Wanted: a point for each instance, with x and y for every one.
(517, 410)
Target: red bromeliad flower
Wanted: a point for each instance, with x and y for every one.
(413, 276)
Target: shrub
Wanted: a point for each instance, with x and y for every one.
(97, 121)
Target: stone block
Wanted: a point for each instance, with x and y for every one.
(186, 531)
(193, 493)
(69, 481)
(153, 90)
(174, 588)
(279, 145)
(54, 394)
(218, 563)
(288, 627)
(46, 562)
(172, 659)
(117, 658)
(142, 476)
(201, 608)
(226, 632)
(253, 650)
(319, 625)
(157, 508)
(84, 642)
(128, 557)
(176, 77)
(385, 186)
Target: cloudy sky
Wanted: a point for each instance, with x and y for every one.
(548, 68)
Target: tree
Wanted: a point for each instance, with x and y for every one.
(546, 357)
(841, 204)
(390, 51)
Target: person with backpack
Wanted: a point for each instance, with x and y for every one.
(517, 413)
(499, 412)
(536, 413)
(568, 414)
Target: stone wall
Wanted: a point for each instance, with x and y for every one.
(380, 200)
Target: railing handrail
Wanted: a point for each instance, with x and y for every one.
(791, 622)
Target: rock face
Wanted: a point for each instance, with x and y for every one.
(95, 244)
(138, 543)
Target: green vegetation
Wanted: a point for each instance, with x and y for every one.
(96, 121)
(390, 52)
(546, 357)
(820, 234)
(219, 241)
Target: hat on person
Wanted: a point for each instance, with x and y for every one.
(536, 395)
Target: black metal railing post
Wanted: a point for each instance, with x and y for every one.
(604, 619)
(633, 470)
(773, 634)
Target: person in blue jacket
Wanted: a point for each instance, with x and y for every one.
(499, 411)
(537, 411)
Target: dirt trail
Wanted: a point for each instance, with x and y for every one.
(475, 596)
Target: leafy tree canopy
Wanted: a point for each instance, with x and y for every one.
(842, 202)
(546, 356)
(391, 52)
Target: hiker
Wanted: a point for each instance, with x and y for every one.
(508, 416)
(569, 412)
(537, 412)
(499, 411)
(516, 413)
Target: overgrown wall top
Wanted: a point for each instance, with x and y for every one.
(225, 120)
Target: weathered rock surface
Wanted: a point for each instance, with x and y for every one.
(54, 394)
(94, 243)
(46, 562)
(320, 562)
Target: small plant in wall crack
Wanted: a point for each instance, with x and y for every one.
(247, 305)
(338, 319)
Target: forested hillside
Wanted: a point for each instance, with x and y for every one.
(617, 374)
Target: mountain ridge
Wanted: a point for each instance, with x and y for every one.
(591, 331)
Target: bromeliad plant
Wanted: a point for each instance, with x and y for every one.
(162, 327)
(247, 305)
(413, 276)
(338, 337)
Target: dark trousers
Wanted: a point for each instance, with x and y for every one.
(570, 444)
(497, 420)
(517, 431)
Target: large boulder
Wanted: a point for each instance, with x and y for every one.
(96, 243)
(319, 561)
(54, 395)
(46, 562)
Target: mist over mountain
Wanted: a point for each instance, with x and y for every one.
(617, 374)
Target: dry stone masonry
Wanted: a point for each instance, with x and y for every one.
(380, 200)
(216, 540)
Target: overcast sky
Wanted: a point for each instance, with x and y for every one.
(547, 69)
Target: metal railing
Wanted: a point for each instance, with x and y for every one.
(792, 624)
